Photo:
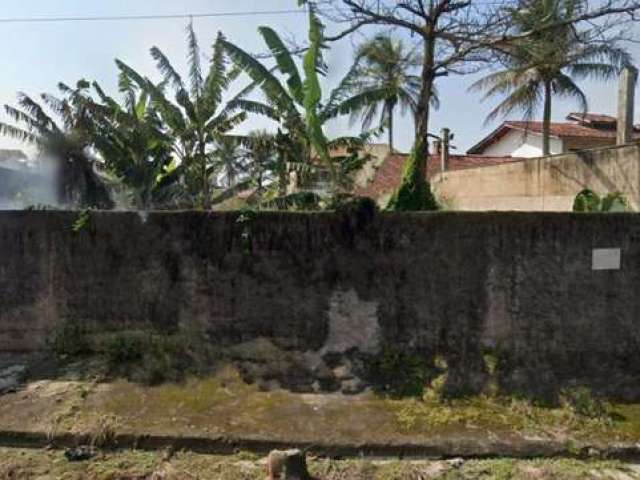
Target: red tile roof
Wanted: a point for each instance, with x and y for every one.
(580, 125)
(389, 173)
(556, 129)
(563, 129)
(594, 119)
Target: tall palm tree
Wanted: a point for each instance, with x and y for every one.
(548, 63)
(198, 118)
(381, 80)
(67, 143)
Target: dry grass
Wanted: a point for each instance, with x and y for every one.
(129, 465)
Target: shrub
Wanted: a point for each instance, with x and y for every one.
(399, 373)
(69, 340)
(124, 348)
(586, 201)
(615, 202)
(581, 401)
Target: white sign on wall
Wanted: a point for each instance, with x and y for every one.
(606, 259)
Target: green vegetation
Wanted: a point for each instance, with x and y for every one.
(175, 143)
(145, 357)
(548, 62)
(82, 221)
(399, 373)
(19, 463)
(414, 192)
(382, 77)
(69, 340)
(590, 202)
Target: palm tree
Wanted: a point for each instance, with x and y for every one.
(381, 80)
(547, 63)
(261, 151)
(228, 160)
(68, 144)
(198, 118)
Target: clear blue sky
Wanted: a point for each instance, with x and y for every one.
(36, 56)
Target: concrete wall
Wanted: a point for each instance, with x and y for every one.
(517, 143)
(544, 184)
(456, 285)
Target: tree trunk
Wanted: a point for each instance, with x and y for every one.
(206, 194)
(546, 119)
(421, 144)
(414, 192)
(391, 109)
(287, 465)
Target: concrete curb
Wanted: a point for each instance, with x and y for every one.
(225, 445)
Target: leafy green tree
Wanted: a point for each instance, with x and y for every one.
(67, 143)
(295, 103)
(198, 118)
(548, 63)
(381, 80)
(130, 140)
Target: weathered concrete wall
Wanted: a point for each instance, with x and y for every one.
(457, 285)
(544, 184)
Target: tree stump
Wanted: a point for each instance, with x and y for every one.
(287, 465)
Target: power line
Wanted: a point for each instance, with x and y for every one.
(111, 18)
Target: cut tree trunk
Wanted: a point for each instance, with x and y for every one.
(287, 465)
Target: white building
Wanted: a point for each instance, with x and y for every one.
(524, 139)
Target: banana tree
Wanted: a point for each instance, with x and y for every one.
(295, 103)
(197, 117)
(130, 140)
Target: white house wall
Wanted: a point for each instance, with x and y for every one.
(517, 143)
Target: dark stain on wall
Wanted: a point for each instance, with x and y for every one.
(518, 286)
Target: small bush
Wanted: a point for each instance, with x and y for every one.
(69, 340)
(615, 202)
(105, 432)
(586, 201)
(589, 201)
(399, 373)
(124, 348)
(581, 401)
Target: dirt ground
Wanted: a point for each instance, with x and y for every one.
(222, 405)
(135, 465)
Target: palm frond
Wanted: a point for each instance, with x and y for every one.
(167, 71)
(565, 87)
(252, 106)
(129, 73)
(195, 68)
(595, 71)
(32, 107)
(217, 79)
(525, 98)
(360, 102)
(262, 77)
(19, 134)
(285, 62)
